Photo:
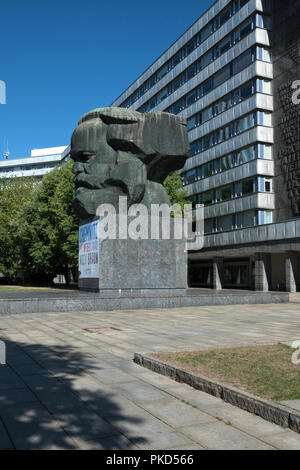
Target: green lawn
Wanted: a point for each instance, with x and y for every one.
(265, 371)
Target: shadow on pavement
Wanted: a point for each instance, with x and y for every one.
(49, 399)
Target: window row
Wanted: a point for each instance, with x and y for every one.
(27, 168)
(186, 50)
(227, 162)
(238, 221)
(234, 190)
(217, 79)
(228, 101)
(231, 130)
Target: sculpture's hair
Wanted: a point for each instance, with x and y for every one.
(113, 115)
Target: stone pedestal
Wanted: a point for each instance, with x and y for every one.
(141, 266)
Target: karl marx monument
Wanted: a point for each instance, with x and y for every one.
(121, 154)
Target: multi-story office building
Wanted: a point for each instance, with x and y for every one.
(232, 77)
(40, 162)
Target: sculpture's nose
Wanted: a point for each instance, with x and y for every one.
(78, 168)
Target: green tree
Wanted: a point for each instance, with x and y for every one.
(14, 192)
(173, 185)
(48, 227)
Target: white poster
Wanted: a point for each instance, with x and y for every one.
(89, 250)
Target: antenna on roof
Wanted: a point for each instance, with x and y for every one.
(6, 152)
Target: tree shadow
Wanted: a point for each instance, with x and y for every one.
(50, 399)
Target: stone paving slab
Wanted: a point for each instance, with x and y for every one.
(61, 377)
(295, 404)
(220, 436)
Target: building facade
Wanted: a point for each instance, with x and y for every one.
(40, 162)
(232, 75)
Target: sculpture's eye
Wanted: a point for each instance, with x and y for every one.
(84, 156)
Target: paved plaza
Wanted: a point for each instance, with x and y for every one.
(70, 382)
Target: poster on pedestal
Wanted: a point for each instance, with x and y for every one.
(89, 250)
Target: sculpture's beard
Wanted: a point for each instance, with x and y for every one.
(83, 203)
(87, 200)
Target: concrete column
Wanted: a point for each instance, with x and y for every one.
(291, 271)
(262, 271)
(218, 266)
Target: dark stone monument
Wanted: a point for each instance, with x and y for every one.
(286, 116)
(122, 153)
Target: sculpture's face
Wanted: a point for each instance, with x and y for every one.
(91, 153)
(93, 159)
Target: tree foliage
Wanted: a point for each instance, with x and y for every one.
(48, 227)
(173, 185)
(14, 192)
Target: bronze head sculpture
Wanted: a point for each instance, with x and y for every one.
(121, 152)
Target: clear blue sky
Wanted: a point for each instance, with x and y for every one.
(59, 59)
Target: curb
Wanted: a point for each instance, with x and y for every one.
(93, 302)
(265, 409)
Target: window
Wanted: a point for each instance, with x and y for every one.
(221, 76)
(249, 219)
(247, 186)
(177, 83)
(207, 114)
(208, 226)
(246, 29)
(224, 16)
(244, 124)
(247, 91)
(263, 21)
(268, 217)
(207, 87)
(224, 223)
(242, 62)
(177, 107)
(176, 59)
(191, 176)
(245, 219)
(162, 95)
(191, 97)
(206, 198)
(162, 72)
(268, 152)
(242, 188)
(263, 54)
(268, 185)
(224, 46)
(224, 194)
(191, 72)
(152, 103)
(267, 87)
(206, 32)
(267, 119)
(245, 155)
(206, 59)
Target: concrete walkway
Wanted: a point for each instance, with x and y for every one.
(70, 381)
